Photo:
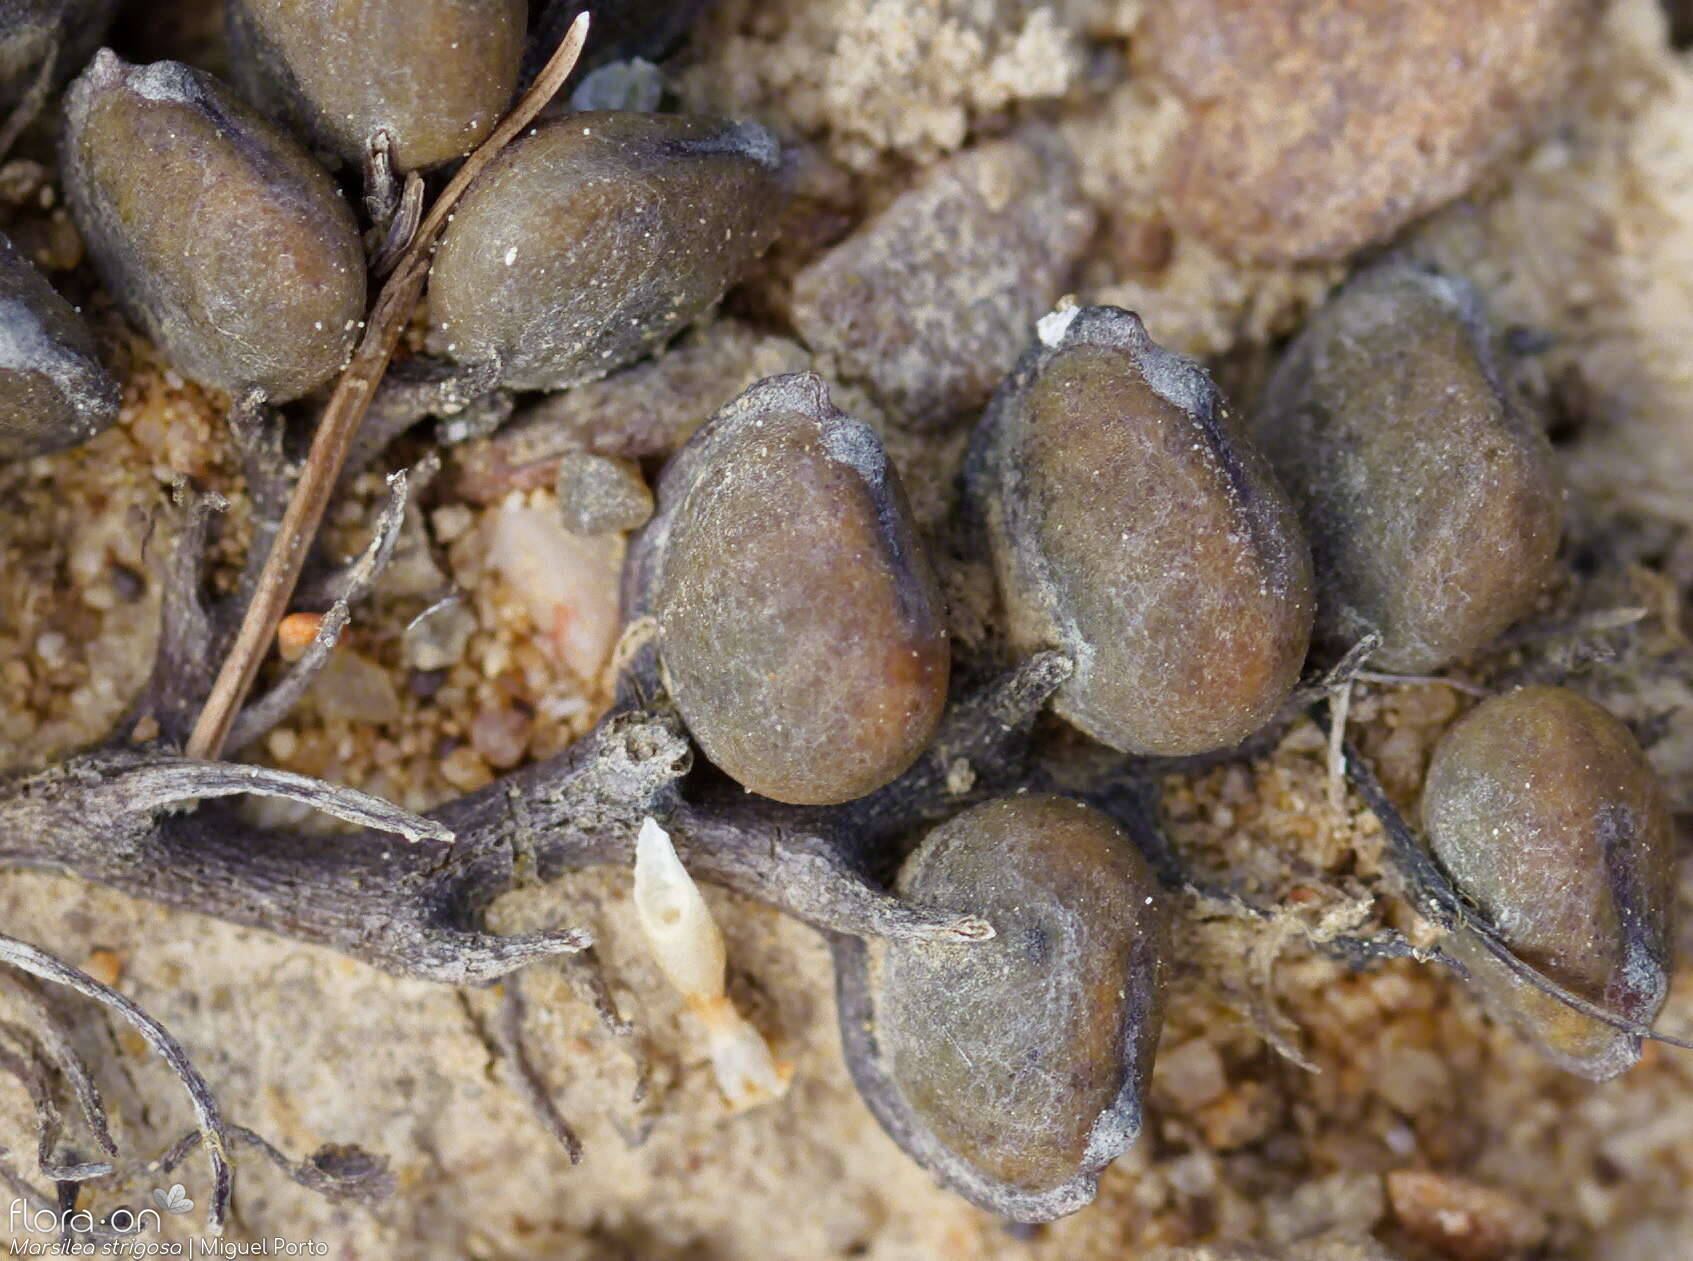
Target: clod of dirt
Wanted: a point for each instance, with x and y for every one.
(1317, 127)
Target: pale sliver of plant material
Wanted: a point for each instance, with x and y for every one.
(688, 946)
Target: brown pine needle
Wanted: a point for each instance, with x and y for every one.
(346, 409)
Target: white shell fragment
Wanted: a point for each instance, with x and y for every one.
(688, 947)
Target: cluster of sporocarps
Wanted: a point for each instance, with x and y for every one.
(1181, 556)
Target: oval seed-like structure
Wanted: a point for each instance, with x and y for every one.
(1014, 1068)
(215, 231)
(594, 239)
(1547, 817)
(54, 391)
(1429, 497)
(801, 629)
(434, 74)
(1134, 526)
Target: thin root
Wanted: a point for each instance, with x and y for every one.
(513, 1044)
(37, 962)
(336, 1171)
(47, 1029)
(28, 1067)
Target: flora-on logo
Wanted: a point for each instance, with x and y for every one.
(122, 1220)
(175, 1200)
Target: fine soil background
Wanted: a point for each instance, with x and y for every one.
(1299, 1109)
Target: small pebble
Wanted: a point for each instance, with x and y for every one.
(50, 648)
(294, 634)
(635, 84)
(501, 735)
(452, 522)
(465, 769)
(104, 965)
(1191, 1075)
(424, 684)
(354, 688)
(436, 638)
(932, 300)
(567, 583)
(600, 494)
(1320, 126)
(1463, 1219)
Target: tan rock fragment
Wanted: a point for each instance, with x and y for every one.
(931, 301)
(1320, 126)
